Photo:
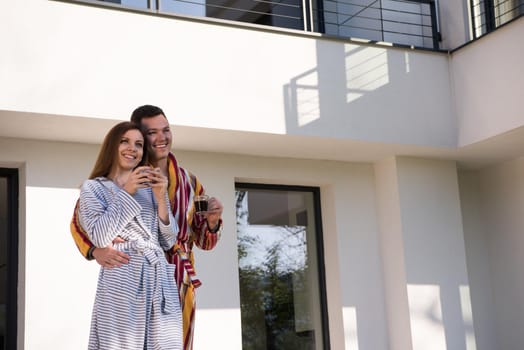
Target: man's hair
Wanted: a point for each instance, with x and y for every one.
(145, 111)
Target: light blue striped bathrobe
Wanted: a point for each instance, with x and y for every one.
(136, 305)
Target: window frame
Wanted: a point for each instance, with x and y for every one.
(12, 177)
(319, 241)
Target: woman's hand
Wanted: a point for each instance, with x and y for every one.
(158, 183)
(139, 178)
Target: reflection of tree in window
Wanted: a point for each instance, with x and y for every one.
(273, 271)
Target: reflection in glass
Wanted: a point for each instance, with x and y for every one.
(3, 260)
(279, 283)
(142, 4)
(278, 13)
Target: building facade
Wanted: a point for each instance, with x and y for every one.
(395, 128)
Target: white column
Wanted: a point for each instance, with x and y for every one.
(392, 251)
(427, 291)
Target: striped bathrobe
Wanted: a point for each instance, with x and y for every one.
(183, 186)
(136, 305)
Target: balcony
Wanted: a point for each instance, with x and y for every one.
(402, 22)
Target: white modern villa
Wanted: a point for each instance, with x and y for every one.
(369, 155)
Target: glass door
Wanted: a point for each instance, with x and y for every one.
(282, 284)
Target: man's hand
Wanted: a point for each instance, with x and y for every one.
(214, 213)
(109, 257)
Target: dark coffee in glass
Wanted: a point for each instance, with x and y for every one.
(201, 203)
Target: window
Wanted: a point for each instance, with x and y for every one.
(8, 256)
(282, 284)
(488, 15)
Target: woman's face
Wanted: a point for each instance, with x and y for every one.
(130, 150)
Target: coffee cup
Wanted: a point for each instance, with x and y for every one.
(201, 203)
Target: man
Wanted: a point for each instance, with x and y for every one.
(195, 229)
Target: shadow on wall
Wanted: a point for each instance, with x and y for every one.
(368, 92)
(428, 309)
(372, 93)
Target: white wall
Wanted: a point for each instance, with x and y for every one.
(353, 270)
(427, 289)
(501, 202)
(478, 260)
(69, 59)
(392, 254)
(57, 285)
(492, 201)
(487, 84)
(435, 258)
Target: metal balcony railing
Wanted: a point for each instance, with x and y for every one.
(404, 22)
(488, 15)
(396, 21)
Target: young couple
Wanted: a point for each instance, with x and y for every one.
(136, 205)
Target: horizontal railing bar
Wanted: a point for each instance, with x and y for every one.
(422, 2)
(481, 26)
(249, 11)
(361, 27)
(407, 12)
(254, 1)
(367, 17)
(381, 8)
(481, 13)
(358, 12)
(505, 13)
(477, 5)
(385, 31)
(276, 4)
(383, 21)
(500, 4)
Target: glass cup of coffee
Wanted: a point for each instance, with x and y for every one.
(201, 204)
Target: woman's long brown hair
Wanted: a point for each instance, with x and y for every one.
(109, 150)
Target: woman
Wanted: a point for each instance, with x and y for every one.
(137, 304)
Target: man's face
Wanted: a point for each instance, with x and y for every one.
(158, 136)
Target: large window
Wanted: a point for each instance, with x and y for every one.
(282, 287)
(8, 257)
(488, 15)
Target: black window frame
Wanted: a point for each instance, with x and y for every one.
(319, 243)
(12, 257)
